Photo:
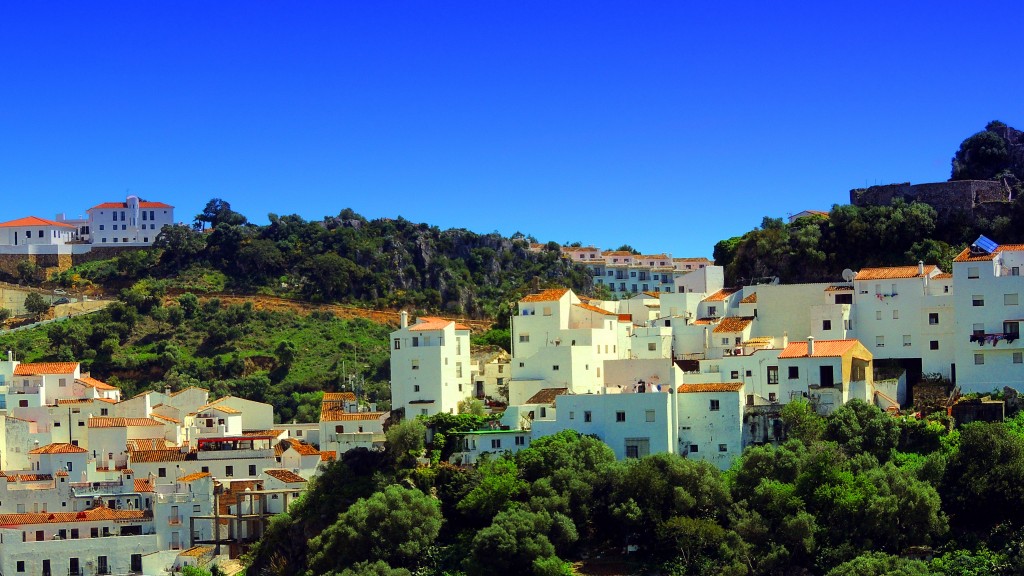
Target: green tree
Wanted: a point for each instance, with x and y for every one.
(35, 304)
(980, 157)
(512, 543)
(981, 487)
(861, 427)
(405, 442)
(881, 564)
(195, 571)
(802, 422)
(219, 211)
(378, 568)
(395, 526)
(180, 246)
(4, 314)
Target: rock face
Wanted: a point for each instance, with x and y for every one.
(948, 198)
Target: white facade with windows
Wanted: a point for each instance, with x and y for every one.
(133, 222)
(430, 366)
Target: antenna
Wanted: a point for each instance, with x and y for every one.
(849, 275)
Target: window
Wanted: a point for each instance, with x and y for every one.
(1018, 357)
(878, 314)
(252, 469)
(21, 565)
(637, 447)
(555, 368)
(906, 340)
(649, 415)
(495, 443)
(844, 298)
(206, 469)
(826, 324)
(524, 338)
(103, 412)
(572, 415)
(620, 416)
(723, 448)
(712, 310)
(229, 471)
(587, 416)
(74, 533)
(415, 387)
(772, 397)
(398, 344)
(520, 440)
(713, 406)
(773, 374)
(880, 341)
(977, 300)
(101, 226)
(415, 364)
(979, 329)
(725, 341)
(973, 272)
(979, 358)
(1015, 271)
(750, 399)
(651, 346)
(933, 345)
(62, 382)
(94, 532)
(543, 412)
(933, 318)
(161, 472)
(547, 311)
(794, 373)
(1012, 327)
(1010, 299)
(895, 314)
(458, 369)
(694, 448)
(734, 374)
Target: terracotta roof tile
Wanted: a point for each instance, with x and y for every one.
(140, 456)
(104, 422)
(117, 205)
(143, 485)
(430, 323)
(339, 397)
(352, 416)
(710, 387)
(139, 444)
(549, 295)
(58, 449)
(217, 407)
(942, 276)
(92, 515)
(966, 256)
(592, 308)
(822, 348)
(328, 456)
(164, 418)
(704, 321)
(893, 273)
(286, 476)
(652, 294)
(183, 390)
(94, 383)
(733, 324)
(38, 368)
(752, 299)
(839, 289)
(547, 396)
(721, 295)
(301, 447)
(33, 221)
(193, 476)
(196, 551)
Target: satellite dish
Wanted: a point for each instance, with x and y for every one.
(849, 275)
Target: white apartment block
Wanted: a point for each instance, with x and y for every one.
(625, 273)
(430, 366)
(133, 222)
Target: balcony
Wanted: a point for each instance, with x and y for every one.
(995, 338)
(174, 520)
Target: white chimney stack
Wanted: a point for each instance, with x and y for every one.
(405, 319)
(920, 267)
(785, 339)
(810, 346)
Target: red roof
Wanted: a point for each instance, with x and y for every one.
(966, 255)
(596, 309)
(58, 449)
(93, 515)
(34, 221)
(104, 422)
(38, 368)
(549, 295)
(710, 387)
(286, 476)
(94, 383)
(822, 348)
(893, 272)
(116, 205)
(721, 295)
(733, 324)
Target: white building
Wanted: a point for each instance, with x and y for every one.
(430, 366)
(36, 231)
(133, 222)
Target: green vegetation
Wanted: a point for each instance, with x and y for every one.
(281, 358)
(849, 494)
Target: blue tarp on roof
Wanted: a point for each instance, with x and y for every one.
(983, 244)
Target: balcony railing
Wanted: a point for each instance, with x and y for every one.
(994, 338)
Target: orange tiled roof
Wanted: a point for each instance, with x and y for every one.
(183, 390)
(839, 289)
(429, 323)
(349, 416)
(286, 476)
(33, 221)
(966, 256)
(549, 295)
(893, 272)
(721, 295)
(733, 324)
(104, 422)
(752, 299)
(193, 476)
(822, 348)
(197, 551)
(58, 449)
(691, 260)
(710, 387)
(942, 276)
(339, 397)
(547, 396)
(139, 444)
(262, 433)
(116, 205)
(593, 308)
(61, 473)
(217, 407)
(166, 418)
(617, 253)
(625, 318)
(92, 515)
(38, 368)
(328, 456)
(160, 456)
(652, 294)
(94, 383)
(143, 485)
(301, 447)
(703, 321)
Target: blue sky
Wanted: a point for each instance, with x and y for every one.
(666, 125)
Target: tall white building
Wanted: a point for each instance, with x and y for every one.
(430, 366)
(133, 222)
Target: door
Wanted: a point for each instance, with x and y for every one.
(73, 567)
(826, 377)
(46, 568)
(15, 237)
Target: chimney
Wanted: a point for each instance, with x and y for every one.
(167, 390)
(920, 267)
(810, 346)
(10, 356)
(405, 319)
(785, 339)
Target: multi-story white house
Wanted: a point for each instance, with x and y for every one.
(430, 366)
(987, 289)
(133, 222)
(33, 230)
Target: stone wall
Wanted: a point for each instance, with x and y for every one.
(948, 198)
(51, 263)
